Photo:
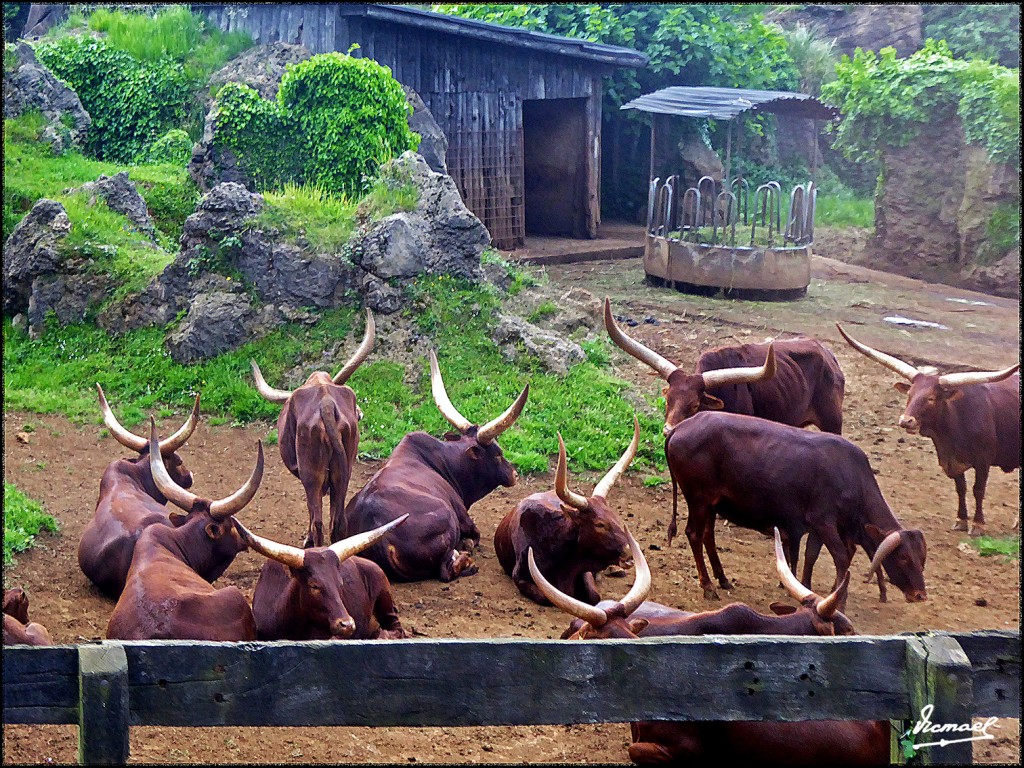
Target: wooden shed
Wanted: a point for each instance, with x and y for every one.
(521, 109)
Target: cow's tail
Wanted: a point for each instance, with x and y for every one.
(675, 506)
(329, 414)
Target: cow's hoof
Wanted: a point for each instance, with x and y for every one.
(646, 753)
(725, 584)
(959, 525)
(977, 530)
(710, 593)
(392, 634)
(463, 565)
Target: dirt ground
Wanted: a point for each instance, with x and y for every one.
(62, 463)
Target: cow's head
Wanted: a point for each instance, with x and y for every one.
(486, 465)
(601, 535)
(823, 615)
(211, 518)
(902, 554)
(319, 377)
(686, 393)
(175, 467)
(928, 393)
(16, 604)
(318, 571)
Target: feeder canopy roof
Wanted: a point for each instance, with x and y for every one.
(727, 103)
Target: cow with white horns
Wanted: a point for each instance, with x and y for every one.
(573, 536)
(436, 482)
(318, 436)
(129, 502)
(973, 419)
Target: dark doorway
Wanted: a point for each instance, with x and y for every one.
(554, 166)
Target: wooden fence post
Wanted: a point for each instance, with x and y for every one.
(103, 705)
(939, 677)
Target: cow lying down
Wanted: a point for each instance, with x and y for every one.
(18, 630)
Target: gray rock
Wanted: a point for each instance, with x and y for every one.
(32, 86)
(394, 247)
(379, 296)
(69, 297)
(698, 161)
(43, 16)
(216, 323)
(433, 143)
(260, 67)
(555, 353)
(120, 195)
(211, 164)
(32, 251)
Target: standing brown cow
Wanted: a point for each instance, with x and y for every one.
(129, 501)
(435, 481)
(973, 419)
(573, 536)
(318, 436)
(323, 592)
(164, 597)
(823, 742)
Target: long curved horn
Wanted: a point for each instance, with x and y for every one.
(119, 433)
(829, 606)
(888, 545)
(285, 554)
(175, 441)
(271, 394)
(224, 508)
(642, 586)
(742, 375)
(786, 576)
(174, 492)
(905, 370)
(977, 377)
(635, 348)
(492, 430)
(591, 614)
(613, 474)
(353, 545)
(444, 404)
(574, 500)
(361, 353)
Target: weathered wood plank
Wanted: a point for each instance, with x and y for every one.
(103, 705)
(995, 668)
(40, 687)
(508, 682)
(939, 680)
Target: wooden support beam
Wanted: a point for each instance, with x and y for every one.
(103, 705)
(939, 681)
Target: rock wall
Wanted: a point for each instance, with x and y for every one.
(871, 27)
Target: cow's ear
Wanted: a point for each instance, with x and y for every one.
(711, 402)
(636, 626)
(475, 452)
(902, 387)
(178, 519)
(213, 530)
(876, 533)
(781, 609)
(452, 437)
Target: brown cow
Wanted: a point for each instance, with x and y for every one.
(129, 501)
(18, 630)
(318, 436)
(324, 592)
(573, 536)
(802, 743)
(164, 597)
(800, 383)
(760, 474)
(435, 481)
(973, 419)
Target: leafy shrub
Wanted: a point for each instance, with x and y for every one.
(174, 147)
(131, 103)
(260, 135)
(23, 519)
(976, 31)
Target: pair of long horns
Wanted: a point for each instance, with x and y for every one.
(490, 431)
(591, 614)
(908, 371)
(665, 368)
(220, 509)
(825, 606)
(281, 395)
(294, 557)
(577, 501)
(138, 443)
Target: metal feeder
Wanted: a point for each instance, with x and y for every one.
(715, 237)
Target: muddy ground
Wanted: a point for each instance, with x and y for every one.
(61, 465)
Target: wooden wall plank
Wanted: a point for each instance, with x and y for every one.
(40, 687)
(995, 666)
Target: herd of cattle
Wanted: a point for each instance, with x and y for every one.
(735, 448)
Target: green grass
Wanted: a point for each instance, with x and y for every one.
(56, 374)
(545, 309)
(988, 546)
(23, 519)
(844, 210)
(304, 213)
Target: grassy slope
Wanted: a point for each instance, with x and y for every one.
(23, 519)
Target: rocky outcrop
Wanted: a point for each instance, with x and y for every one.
(433, 143)
(554, 352)
(871, 27)
(31, 252)
(120, 195)
(31, 86)
(261, 67)
(698, 161)
(43, 16)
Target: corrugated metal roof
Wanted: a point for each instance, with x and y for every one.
(727, 103)
(499, 33)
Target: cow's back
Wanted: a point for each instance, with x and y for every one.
(1006, 403)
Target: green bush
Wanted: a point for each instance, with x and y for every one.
(174, 147)
(131, 103)
(23, 519)
(260, 135)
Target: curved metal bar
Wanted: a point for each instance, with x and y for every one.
(651, 191)
(775, 212)
(730, 216)
(742, 197)
(689, 224)
(810, 206)
(706, 198)
(670, 207)
(797, 212)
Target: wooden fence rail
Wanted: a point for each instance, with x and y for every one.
(106, 687)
